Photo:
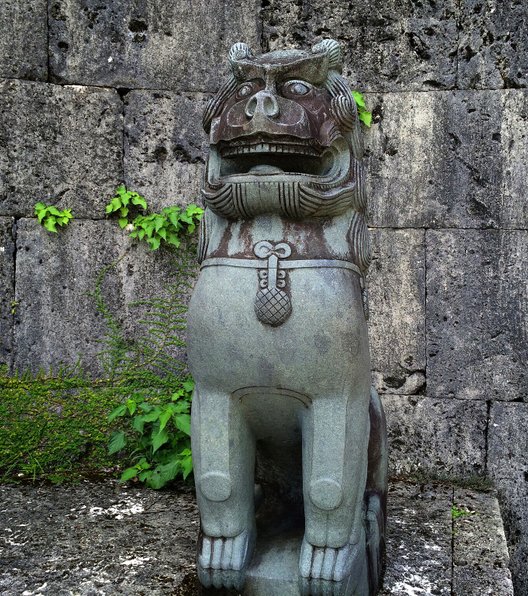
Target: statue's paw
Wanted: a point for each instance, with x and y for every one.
(331, 571)
(222, 562)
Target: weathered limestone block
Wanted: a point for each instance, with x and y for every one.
(7, 284)
(480, 551)
(508, 466)
(493, 44)
(477, 312)
(64, 146)
(421, 561)
(56, 319)
(23, 39)
(449, 159)
(438, 437)
(164, 147)
(389, 46)
(152, 44)
(396, 289)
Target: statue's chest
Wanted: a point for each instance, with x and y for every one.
(314, 239)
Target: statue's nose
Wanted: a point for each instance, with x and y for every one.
(262, 103)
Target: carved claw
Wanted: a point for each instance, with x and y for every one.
(328, 571)
(222, 562)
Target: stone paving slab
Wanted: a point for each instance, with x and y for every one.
(101, 538)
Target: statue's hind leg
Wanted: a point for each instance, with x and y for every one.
(333, 557)
(224, 460)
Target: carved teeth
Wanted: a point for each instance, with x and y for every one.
(269, 148)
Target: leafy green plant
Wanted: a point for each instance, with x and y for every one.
(458, 512)
(123, 203)
(49, 216)
(155, 228)
(364, 115)
(157, 440)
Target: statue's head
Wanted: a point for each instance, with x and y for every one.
(284, 136)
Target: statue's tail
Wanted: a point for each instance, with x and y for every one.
(376, 491)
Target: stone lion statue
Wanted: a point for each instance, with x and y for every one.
(277, 334)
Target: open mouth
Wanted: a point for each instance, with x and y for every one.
(264, 157)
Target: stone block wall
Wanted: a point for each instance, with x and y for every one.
(93, 94)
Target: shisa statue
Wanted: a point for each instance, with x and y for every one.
(277, 332)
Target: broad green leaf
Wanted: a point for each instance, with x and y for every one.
(39, 206)
(165, 417)
(183, 423)
(145, 475)
(128, 474)
(123, 211)
(152, 416)
(158, 439)
(123, 222)
(117, 442)
(186, 464)
(119, 411)
(162, 233)
(138, 424)
(131, 406)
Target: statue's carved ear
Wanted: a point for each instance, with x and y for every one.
(333, 49)
(239, 51)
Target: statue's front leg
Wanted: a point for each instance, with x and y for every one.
(333, 556)
(223, 456)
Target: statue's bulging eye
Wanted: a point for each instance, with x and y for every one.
(245, 90)
(297, 88)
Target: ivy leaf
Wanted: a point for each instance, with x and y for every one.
(366, 118)
(117, 442)
(49, 224)
(359, 99)
(128, 474)
(119, 411)
(138, 200)
(188, 385)
(154, 243)
(174, 240)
